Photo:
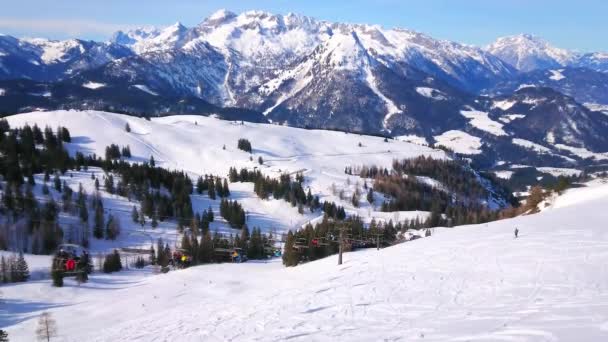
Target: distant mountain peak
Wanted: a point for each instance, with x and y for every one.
(220, 16)
(527, 52)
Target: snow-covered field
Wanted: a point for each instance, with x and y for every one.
(482, 121)
(473, 283)
(460, 142)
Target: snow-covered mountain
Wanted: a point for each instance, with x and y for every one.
(257, 41)
(305, 72)
(527, 52)
(51, 60)
(299, 71)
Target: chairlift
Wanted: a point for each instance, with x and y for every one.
(181, 258)
(300, 243)
(320, 242)
(71, 260)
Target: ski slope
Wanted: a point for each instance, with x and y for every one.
(204, 145)
(472, 283)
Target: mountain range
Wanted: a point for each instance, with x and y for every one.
(517, 100)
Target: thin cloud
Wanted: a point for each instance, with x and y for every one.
(67, 27)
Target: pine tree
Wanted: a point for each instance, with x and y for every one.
(135, 215)
(290, 255)
(225, 189)
(127, 128)
(126, 151)
(152, 162)
(154, 222)
(98, 221)
(142, 217)
(3, 336)
(83, 212)
(57, 276)
(152, 256)
(8, 199)
(219, 190)
(112, 228)
(206, 248)
(4, 269)
(23, 271)
(355, 200)
(210, 215)
(109, 184)
(64, 134)
(200, 185)
(211, 191)
(112, 262)
(370, 196)
(13, 274)
(57, 182)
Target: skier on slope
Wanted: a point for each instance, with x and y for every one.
(516, 232)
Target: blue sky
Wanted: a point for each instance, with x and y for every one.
(579, 25)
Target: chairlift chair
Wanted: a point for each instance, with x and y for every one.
(300, 243)
(70, 260)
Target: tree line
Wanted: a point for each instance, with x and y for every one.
(323, 239)
(283, 188)
(14, 269)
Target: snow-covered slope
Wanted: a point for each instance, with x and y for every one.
(474, 283)
(203, 145)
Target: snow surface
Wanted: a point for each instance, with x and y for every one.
(557, 75)
(523, 86)
(583, 152)
(2, 92)
(414, 139)
(511, 117)
(460, 142)
(482, 121)
(54, 51)
(471, 283)
(145, 89)
(505, 174)
(504, 104)
(597, 107)
(431, 93)
(93, 85)
(531, 145)
(556, 171)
